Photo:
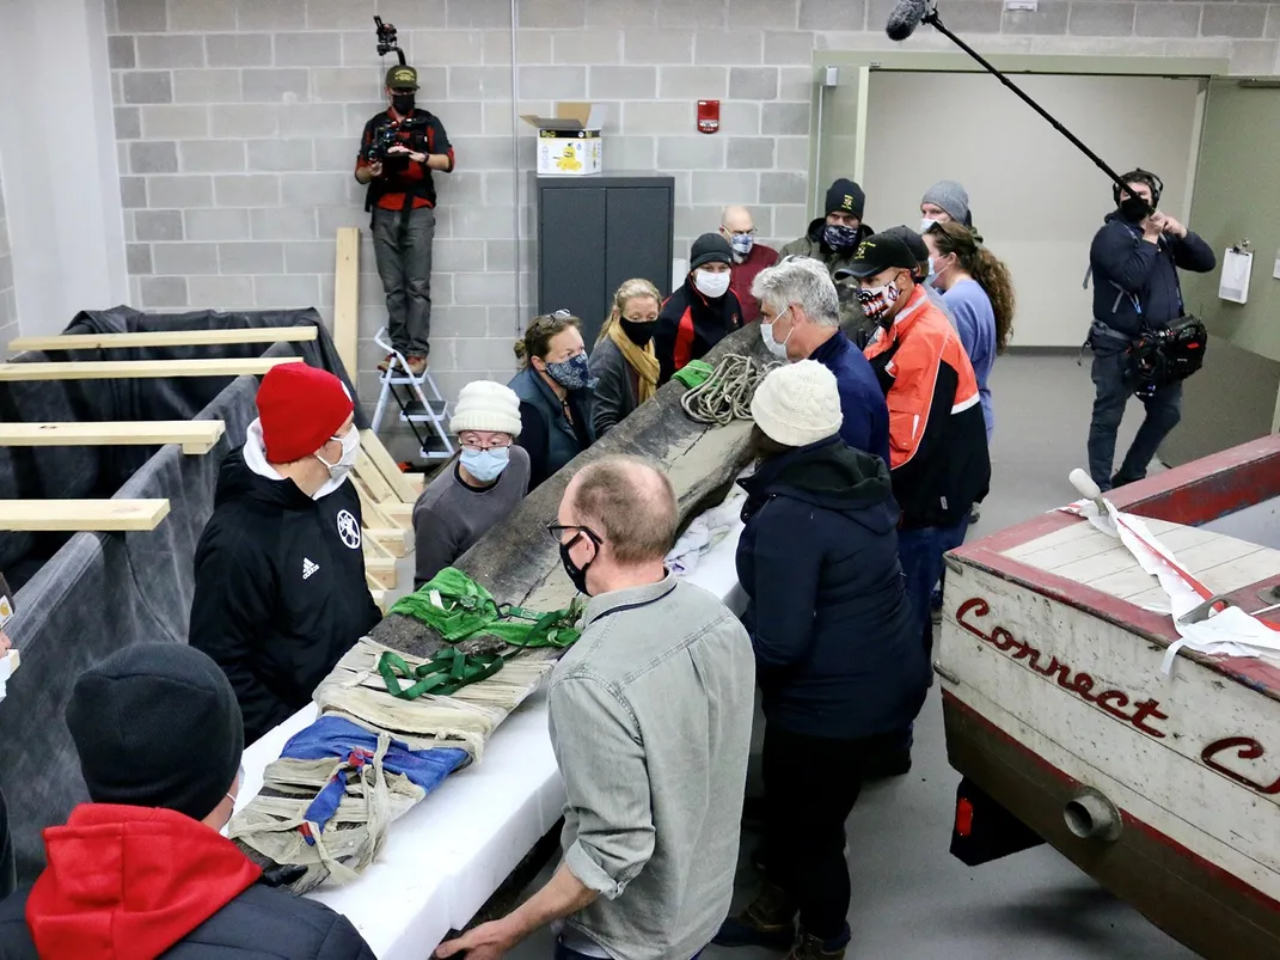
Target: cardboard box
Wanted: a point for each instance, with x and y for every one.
(569, 144)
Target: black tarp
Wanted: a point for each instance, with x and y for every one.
(88, 594)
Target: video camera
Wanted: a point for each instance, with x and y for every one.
(388, 135)
(387, 39)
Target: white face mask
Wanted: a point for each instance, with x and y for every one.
(926, 223)
(779, 350)
(347, 462)
(712, 285)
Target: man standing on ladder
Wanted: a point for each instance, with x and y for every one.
(399, 149)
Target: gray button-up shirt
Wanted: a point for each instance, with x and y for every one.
(651, 722)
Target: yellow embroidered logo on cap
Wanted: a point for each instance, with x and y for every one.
(865, 247)
(848, 202)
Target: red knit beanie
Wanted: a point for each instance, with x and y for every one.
(300, 407)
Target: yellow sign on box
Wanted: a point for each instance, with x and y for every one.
(569, 144)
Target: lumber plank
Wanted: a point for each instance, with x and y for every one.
(371, 513)
(400, 514)
(165, 338)
(377, 592)
(372, 477)
(372, 548)
(132, 369)
(73, 515)
(346, 299)
(383, 570)
(389, 513)
(397, 541)
(417, 483)
(387, 465)
(194, 436)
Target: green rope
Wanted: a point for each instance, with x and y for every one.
(443, 675)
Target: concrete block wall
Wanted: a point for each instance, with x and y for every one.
(237, 124)
(8, 300)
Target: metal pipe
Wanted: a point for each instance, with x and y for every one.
(1091, 816)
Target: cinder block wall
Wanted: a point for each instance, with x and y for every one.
(237, 124)
(8, 299)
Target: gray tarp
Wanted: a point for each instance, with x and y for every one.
(100, 592)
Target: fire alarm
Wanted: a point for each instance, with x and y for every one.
(708, 116)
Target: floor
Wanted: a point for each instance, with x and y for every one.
(911, 899)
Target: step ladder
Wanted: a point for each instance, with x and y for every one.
(431, 407)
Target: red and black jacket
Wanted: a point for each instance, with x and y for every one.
(690, 325)
(937, 434)
(405, 183)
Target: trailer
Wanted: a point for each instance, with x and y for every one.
(1071, 725)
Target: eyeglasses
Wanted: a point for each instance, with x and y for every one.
(558, 530)
(496, 443)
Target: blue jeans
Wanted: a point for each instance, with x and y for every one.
(920, 553)
(1164, 410)
(565, 953)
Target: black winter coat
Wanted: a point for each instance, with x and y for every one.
(280, 590)
(838, 653)
(263, 923)
(545, 432)
(1130, 274)
(690, 325)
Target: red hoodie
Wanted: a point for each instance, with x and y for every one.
(127, 883)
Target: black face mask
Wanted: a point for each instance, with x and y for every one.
(639, 333)
(403, 103)
(577, 574)
(1134, 209)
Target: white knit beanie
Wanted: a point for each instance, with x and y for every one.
(486, 405)
(798, 404)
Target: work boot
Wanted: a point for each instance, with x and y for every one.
(809, 947)
(768, 921)
(387, 363)
(417, 364)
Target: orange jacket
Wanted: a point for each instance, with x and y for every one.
(937, 434)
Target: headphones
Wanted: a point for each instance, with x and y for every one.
(1140, 176)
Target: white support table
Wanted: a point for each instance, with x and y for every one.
(447, 856)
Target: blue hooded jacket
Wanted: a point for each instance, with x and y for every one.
(1136, 281)
(838, 653)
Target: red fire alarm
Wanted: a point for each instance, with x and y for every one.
(708, 116)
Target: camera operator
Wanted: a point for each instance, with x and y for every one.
(399, 149)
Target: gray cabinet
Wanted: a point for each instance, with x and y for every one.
(595, 232)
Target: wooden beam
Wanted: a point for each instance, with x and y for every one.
(388, 467)
(384, 570)
(368, 472)
(346, 299)
(377, 592)
(195, 436)
(370, 512)
(417, 483)
(132, 369)
(64, 515)
(399, 543)
(400, 514)
(166, 338)
(372, 548)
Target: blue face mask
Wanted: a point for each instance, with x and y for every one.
(839, 237)
(486, 465)
(572, 374)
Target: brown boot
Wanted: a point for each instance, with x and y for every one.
(809, 947)
(768, 921)
(417, 364)
(386, 363)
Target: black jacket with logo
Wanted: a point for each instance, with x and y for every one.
(280, 590)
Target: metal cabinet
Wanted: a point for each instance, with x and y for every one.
(595, 232)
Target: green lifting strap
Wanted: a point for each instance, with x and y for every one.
(443, 675)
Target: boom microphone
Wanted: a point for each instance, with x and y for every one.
(904, 19)
(909, 14)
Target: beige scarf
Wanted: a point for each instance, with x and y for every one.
(643, 360)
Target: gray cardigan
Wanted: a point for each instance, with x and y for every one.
(615, 397)
(650, 715)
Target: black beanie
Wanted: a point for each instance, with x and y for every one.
(157, 725)
(710, 248)
(846, 197)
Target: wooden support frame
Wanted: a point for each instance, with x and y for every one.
(386, 464)
(399, 543)
(166, 338)
(346, 299)
(400, 514)
(383, 570)
(76, 515)
(378, 593)
(373, 479)
(194, 436)
(132, 369)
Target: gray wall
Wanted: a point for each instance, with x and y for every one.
(237, 124)
(8, 301)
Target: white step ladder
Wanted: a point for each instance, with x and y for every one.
(435, 410)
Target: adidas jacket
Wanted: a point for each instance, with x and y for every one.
(280, 586)
(937, 434)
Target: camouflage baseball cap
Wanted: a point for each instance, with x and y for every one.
(402, 78)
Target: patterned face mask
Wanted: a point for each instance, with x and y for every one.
(876, 301)
(839, 237)
(572, 374)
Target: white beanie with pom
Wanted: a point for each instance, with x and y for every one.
(798, 404)
(486, 405)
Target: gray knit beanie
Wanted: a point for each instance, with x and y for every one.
(951, 197)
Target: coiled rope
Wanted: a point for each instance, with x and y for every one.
(726, 395)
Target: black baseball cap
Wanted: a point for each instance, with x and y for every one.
(879, 252)
(402, 78)
(915, 243)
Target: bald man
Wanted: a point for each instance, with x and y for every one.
(749, 257)
(651, 722)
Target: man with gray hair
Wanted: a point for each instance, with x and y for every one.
(800, 320)
(651, 716)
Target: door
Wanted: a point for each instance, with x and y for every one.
(637, 244)
(1234, 397)
(571, 252)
